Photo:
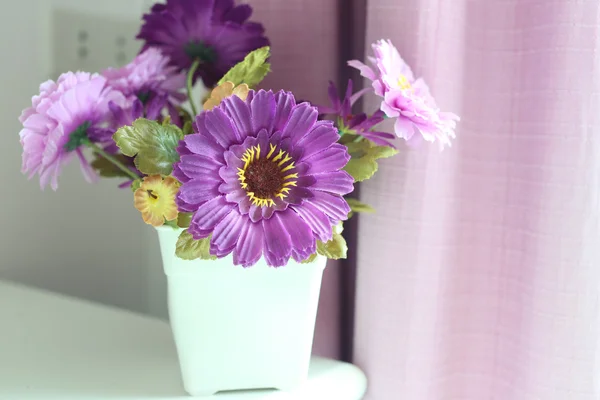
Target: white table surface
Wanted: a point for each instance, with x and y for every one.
(54, 347)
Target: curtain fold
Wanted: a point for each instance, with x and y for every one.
(479, 275)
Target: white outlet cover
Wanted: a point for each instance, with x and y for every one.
(87, 41)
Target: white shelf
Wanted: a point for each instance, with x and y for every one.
(58, 348)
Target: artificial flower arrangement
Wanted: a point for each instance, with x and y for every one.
(245, 172)
(254, 173)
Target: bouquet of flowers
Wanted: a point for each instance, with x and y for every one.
(245, 171)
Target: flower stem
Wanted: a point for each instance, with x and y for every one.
(190, 78)
(97, 149)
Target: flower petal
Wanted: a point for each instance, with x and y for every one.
(227, 233)
(250, 244)
(197, 191)
(278, 243)
(404, 128)
(263, 110)
(338, 182)
(318, 222)
(195, 165)
(239, 112)
(203, 143)
(321, 136)
(285, 104)
(365, 70)
(88, 172)
(221, 127)
(334, 206)
(332, 159)
(208, 216)
(302, 238)
(238, 14)
(302, 119)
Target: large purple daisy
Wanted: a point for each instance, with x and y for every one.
(214, 31)
(264, 177)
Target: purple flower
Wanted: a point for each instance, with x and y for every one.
(148, 73)
(405, 98)
(359, 124)
(151, 79)
(214, 31)
(264, 177)
(62, 117)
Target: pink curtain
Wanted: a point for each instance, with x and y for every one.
(479, 277)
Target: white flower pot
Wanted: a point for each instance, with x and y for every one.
(240, 328)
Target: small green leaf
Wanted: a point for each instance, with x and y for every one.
(172, 224)
(135, 185)
(183, 219)
(252, 70)
(107, 169)
(187, 128)
(310, 259)
(189, 249)
(358, 206)
(153, 145)
(334, 249)
(364, 156)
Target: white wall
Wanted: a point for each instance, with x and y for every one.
(83, 240)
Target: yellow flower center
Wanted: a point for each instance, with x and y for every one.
(267, 177)
(403, 83)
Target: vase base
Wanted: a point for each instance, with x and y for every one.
(200, 391)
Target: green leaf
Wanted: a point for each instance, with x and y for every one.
(358, 206)
(107, 169)
(252, 70)
(187, 128)
(153, 145)
(172, 224)
(310, 259)
(135, 185)
(334, 249)
(364, 156)
(189, 249)
(183, 219)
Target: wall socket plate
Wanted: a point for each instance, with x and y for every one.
(85, 41)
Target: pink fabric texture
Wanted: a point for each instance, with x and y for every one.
(293, 27)
(479, 276)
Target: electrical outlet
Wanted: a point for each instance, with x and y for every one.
(87, 41)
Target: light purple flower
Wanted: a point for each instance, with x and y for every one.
(65, 112)
(214, 31)
(405, 98)
(264, 177)
(357, 124)
(149, 75)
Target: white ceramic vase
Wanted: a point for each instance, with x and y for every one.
(240, 328)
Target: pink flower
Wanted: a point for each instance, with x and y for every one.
(405, 98)
(61, 118)
(148, 73)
